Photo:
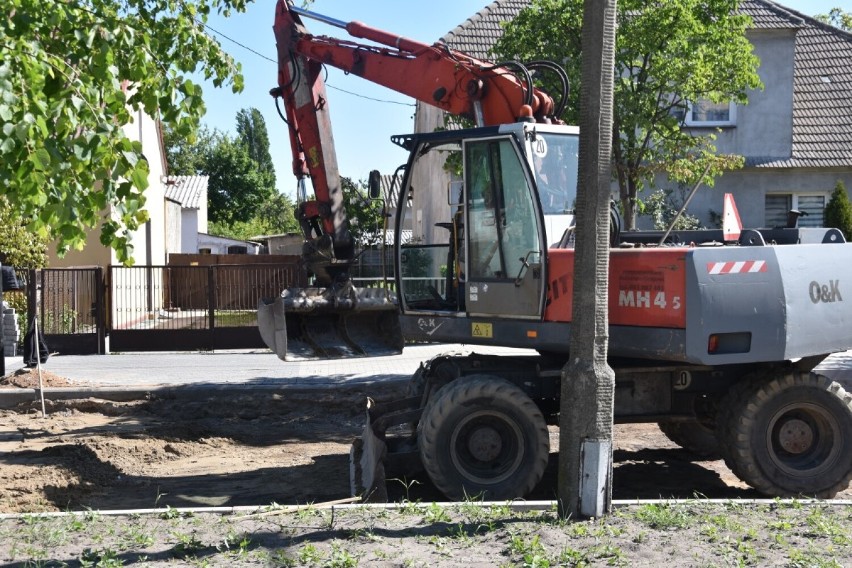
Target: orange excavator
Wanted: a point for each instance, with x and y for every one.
(713, 336)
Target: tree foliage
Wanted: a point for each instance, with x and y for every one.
(251, 132)
(838, 18)
(668, 53)
(242, 200)
(366, 216)
(274, 217)
(237, 187)
(838, 212)
(19, 247)
(72, 77)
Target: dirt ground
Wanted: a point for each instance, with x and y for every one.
(285, 448)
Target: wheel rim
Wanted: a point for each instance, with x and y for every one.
(803, 439)
(487, 447)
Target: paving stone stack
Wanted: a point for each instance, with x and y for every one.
(11, 331)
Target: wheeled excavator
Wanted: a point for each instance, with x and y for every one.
(712, 336)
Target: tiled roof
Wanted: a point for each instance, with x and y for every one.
(822, 96)
(822, 83)
(767, 15)
(476, 35)
(187, 190)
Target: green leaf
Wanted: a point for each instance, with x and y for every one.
(40, 159)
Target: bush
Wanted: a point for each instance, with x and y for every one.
(838, 212)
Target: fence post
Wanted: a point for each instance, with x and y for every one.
(32, 297)
(211, 304)
(100, 312)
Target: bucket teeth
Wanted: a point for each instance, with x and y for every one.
(322, 323)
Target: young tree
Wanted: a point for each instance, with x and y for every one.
(251, 131)
(237, 188)
(72, 75)
(837, 18)
(838, 212)
(668, 53)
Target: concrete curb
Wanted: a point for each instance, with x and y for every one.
(12, 398)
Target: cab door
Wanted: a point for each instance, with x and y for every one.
(503, 254)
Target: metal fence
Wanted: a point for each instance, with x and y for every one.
(191, 307)
(69, 303)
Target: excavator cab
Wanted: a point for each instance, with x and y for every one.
(482, 252)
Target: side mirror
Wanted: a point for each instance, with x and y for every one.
(374, 184)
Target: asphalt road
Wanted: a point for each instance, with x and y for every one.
(126, 376)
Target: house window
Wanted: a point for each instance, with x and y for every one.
(204, 251)
(707, 113)
(778, 204)
(237, 249)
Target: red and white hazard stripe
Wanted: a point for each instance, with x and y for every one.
(739, 267)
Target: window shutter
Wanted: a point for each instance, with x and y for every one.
(776, 206)
(814, 206)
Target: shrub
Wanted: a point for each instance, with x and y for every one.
(838, 212)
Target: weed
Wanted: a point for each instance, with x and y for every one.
(664, 516)
(407, 485)
(810, 559)
(826, 526)
(187, 544)
(572, 557)
(520, 546)
(436, 514)
(340, 557)
(234, 543)
(726, 522)
(310, 554)
(282, 559)
(461, 535)
(137, 537)
(577, 530)
(613, 555)
(440, 544)
(105, 558)
(170, 514)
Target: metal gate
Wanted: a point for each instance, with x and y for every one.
(70, 304)
(179, 308)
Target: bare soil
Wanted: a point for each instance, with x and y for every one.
(256, 449)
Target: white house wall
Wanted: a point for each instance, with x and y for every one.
(750, 186)
(173, 227)
(189, 230)
(144, 129)
(764, 127)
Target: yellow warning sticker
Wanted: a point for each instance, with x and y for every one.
(481, 329)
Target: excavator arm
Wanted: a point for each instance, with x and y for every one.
(336, 319)
(435, 74)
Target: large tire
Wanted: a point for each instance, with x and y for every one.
(483, 437)
(692, 436)
(789, 436)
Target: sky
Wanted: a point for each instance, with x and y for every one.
(364, 116)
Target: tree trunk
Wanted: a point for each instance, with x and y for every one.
(588, 383)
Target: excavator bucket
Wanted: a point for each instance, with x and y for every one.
(324, 323)
(376, 456)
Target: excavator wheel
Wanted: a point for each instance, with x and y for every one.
(692, 436)
(483, 437)
(789, 435)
